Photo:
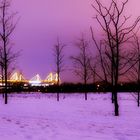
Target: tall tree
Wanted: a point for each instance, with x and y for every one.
(59, 61)
(134, 72)
(7, 26)
(82, 61)
(117, 32)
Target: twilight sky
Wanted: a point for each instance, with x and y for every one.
(42, 21)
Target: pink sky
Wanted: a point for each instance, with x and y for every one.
(42, 21)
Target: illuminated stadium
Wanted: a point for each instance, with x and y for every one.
(17, 77)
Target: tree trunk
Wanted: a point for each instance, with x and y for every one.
(57, 96)
(116, 106)
(85, 95)
(138, 99)
(3, 95)
(58, 82)
(2, 80)
(6, 96)
(85, 85)
(5, 69)
(112, 97)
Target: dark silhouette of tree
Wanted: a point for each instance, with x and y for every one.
(59, 61)
(134, 73)
(82, 61)
(7, 26)
(2, 71)
(117, 32)
(101, 59)
(94, 69)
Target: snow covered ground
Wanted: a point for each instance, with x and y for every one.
(41, 117)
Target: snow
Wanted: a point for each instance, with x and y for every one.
(40, 117)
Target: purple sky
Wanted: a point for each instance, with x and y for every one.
(42, 21)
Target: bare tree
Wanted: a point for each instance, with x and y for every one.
(82, 61)
(7, 26)
(93, 71)
(94, 68)
(117, 32)
(59, 61)
(134, 72)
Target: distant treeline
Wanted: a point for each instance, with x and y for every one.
(72, 88)
(100, 87)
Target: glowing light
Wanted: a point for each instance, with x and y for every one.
(0, 77)
(51, 79)
(36, 80)
(17, 76)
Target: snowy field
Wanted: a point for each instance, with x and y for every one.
(40, 117)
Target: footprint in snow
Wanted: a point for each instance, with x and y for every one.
(28, 137)
(17, 122)
(8, 120)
